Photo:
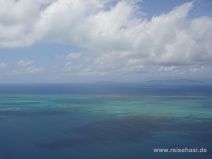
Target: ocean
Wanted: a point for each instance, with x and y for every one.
(105, 121)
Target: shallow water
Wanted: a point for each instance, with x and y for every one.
(103, 126)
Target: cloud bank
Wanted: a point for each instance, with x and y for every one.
(115, 36)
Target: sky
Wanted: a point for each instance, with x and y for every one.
(64, 41)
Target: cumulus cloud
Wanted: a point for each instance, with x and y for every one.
(3, 66)
(101, 64)
(21, 67)
(200, 68)
(166, 41)
(17, 21)
(27, 67)
(25, 63)
(168, 69)
(115, 35)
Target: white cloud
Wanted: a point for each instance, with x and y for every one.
(115, 38)
(168, 69)
(17, 21)
(27, 67)
(25, 63)
(202, 68)
(3, 66)
(101, 64)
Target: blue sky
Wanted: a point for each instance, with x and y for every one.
(104, 40)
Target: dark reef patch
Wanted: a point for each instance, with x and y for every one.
(29, 113)
(129, 129)
(117, 130)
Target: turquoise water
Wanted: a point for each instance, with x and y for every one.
(103, 126)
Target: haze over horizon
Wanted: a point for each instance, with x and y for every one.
(104, 40)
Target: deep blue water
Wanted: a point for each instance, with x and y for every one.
(60, 121)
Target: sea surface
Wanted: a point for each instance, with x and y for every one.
(61, 121)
